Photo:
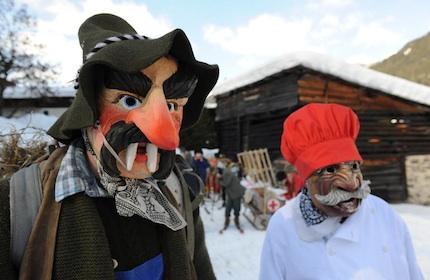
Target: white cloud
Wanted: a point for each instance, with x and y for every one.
(60, 20)
(262, 35)
(362, 59)
(353, 36)
(373, 34)
(323, 4)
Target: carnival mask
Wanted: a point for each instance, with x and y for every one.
(140, 118)
(337, 190)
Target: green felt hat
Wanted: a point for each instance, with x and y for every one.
(108, 40)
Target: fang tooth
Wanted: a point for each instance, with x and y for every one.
(131, 155)
(151, 152)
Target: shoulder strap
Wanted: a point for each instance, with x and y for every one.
(193, 181)
(25, 199)
(192, 187)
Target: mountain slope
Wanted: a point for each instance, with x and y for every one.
(412, 62)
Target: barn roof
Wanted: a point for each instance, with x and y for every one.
(23, 93)
(352, 73)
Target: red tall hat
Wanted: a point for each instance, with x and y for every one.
(319, 135)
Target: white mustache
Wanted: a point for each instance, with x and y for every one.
(337, 195)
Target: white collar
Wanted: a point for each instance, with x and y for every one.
(329, 228)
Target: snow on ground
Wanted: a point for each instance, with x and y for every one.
(417, 218)
(28, 125)
(234, 255)
(237, 256)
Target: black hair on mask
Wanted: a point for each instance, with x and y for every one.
(136, 83)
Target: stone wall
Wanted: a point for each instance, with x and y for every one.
(418, 179)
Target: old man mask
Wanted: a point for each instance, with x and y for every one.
(338, 189)
(319, 140)
(140, 119)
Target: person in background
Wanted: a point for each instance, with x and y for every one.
(212, 182)
(334, 229)
(200, 164)
(234, 192)
(222, 162)
(293, 182)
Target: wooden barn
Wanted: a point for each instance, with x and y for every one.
(394, 113)
(17, 102)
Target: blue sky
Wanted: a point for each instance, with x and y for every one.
(240, 35)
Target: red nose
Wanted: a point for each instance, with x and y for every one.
(155, 121)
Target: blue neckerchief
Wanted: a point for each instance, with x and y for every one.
(310, 213)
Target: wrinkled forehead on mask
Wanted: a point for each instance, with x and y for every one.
(343, 174)
(352, 167)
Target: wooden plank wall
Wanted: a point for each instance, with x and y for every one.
(257, 131)
(252, 118)
(316, 87)
(264, 97)
(391, 133)
(265, 132)
(228, 137)
(385, 139)
(387, 177)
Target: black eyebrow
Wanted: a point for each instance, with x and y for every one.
(181, 84)
(136, 83)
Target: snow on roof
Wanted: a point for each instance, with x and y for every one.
(20, 92)
(349, 72)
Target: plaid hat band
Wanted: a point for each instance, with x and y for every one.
(114, 39)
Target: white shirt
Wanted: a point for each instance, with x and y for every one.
(373, 243)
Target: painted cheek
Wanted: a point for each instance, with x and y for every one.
(109, 116)
(323, 186)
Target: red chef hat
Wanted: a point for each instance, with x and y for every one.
(319, 135)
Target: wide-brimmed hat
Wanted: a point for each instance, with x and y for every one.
(108, 40)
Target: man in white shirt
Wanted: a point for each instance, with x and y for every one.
(334, 229)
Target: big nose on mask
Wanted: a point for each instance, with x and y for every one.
(347, 179)
(155, 121)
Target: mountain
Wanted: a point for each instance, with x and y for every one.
(412, 62)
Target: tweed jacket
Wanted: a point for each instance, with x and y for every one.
(68, 240)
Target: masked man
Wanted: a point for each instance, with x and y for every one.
(115, 203)
(334, 229)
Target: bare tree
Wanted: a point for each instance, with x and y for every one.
(19, 64)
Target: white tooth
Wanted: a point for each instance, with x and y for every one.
(151, 152)
(130, 155)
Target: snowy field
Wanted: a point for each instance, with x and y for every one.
(236, 256)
